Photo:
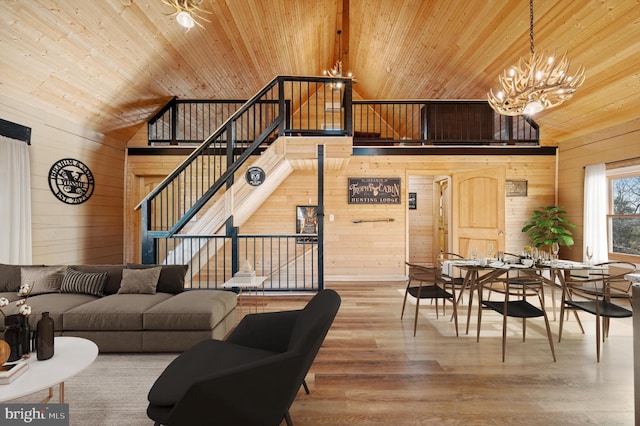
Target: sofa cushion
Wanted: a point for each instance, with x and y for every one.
(115, 275)
(191, 310)
(84, 282)
(113, 312)
(11, 276)
(171, 276)
(10, 295)
(42, 279)
(54, 303)
(139, 281)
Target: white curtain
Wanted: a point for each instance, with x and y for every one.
(595, 212)
(15, 202)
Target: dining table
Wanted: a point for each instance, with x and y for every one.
(480, 272)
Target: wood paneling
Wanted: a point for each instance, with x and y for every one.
(376, 250)
(91, 232)
(615, 144)
(111, 64)
(87, 75)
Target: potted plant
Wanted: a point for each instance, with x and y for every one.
(548, 225)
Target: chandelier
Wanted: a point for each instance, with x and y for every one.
(536, 83)
(336, 70)
(187, 12)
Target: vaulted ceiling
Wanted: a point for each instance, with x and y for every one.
(109, 64)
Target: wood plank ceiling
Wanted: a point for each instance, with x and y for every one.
(109, 64)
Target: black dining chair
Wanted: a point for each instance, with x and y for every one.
(518, 307)
(429, 286)
(596, 294)
(518, 275)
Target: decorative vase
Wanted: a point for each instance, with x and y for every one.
(5, 351)
(26, 335)
(44, 337)
(13, 335)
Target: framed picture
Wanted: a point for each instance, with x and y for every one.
(413, 199)
(307, 223)
(516, 188)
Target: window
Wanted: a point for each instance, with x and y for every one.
(623, 216)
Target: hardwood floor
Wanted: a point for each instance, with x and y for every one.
(372, 370)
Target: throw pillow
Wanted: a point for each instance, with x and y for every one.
(139, 281)
(84, 282)
(114, 271)
(45, 279)
(10, 276)
(171, 276)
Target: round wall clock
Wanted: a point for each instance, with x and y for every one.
(71, 181)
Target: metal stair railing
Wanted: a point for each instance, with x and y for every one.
(210, 169)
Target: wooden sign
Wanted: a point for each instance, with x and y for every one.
(374, 190)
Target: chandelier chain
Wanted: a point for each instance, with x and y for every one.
(531, 26)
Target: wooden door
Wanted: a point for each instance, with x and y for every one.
(441, 191)
(142, 185)
(477, 211)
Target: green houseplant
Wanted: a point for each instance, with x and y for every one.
(548, 225)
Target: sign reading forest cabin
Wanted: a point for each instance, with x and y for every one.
(71, 181)
(374, 190)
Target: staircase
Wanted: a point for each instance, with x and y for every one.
(193, 216)
(240, 202)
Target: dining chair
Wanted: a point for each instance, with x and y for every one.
(595, 294)
(429, 286)
(520, 288)
(517, 274)
(506, 258)
(450, 277)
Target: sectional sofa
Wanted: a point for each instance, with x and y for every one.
(122, 308)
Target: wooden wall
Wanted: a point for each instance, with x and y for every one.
(91, 232)
(371, 250)
(102, 230)
(615, 144)
(379, 249)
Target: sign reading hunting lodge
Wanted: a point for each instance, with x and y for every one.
(374, 190)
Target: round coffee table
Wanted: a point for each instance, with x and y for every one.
(71, 356)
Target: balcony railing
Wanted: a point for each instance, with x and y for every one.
(316, 108)
(424, 123)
